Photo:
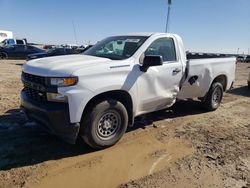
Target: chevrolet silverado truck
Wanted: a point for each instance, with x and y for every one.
(98, 94)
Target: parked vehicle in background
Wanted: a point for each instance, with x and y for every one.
(247, 59)
(18, 51)
(48, 46)
(5, 35)
(98, 94)
(82, 49)
(9, 42)
(74, 46)
(241, 59)
(53, 52)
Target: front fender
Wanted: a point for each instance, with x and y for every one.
(77, 100)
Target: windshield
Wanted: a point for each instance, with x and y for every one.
(116, 48)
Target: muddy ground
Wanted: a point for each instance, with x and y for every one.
(184, 146)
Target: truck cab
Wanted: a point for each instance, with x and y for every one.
(10, 42)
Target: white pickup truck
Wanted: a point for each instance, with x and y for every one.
(97, 95)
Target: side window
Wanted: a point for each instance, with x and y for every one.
(164, 47)
(19, 42)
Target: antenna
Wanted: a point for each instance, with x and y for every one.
(74, 31)
(168, 16)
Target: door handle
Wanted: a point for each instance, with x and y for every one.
(175, 71)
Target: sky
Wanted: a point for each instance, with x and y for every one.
(220, 26)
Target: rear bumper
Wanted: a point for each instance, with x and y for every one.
(53, 116)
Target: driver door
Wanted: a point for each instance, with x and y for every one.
(159, 86)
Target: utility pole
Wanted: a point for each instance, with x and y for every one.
(238, 51)
(248, 51)
(74, 31)
(168, 16)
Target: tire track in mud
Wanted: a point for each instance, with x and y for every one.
(152, 169)
(121, 163)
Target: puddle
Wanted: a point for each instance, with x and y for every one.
(124, 162)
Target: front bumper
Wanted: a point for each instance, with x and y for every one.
(53, 116)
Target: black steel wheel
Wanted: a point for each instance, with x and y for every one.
(104, 124)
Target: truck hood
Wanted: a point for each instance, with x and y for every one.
(62, 65)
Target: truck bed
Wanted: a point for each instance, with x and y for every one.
(202, 72)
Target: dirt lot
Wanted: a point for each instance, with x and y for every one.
(181, 147)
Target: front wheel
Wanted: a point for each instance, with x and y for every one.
(104, 124)
(3, 55)
(213, 98)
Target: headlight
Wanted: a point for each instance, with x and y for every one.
(62, 82)
(56, 97)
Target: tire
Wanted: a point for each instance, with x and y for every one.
(104, 124)
(213, 98)
(3, 56)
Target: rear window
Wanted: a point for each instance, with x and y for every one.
(19, 42)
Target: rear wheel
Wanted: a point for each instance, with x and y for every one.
(213, 98)
(104, 124)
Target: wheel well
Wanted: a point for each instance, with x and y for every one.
(221, 79)
(119, 95)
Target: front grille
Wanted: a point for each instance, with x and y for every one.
(34, 87)
(34, 79)
(36, 95)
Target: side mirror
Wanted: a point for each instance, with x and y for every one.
(151, 60)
